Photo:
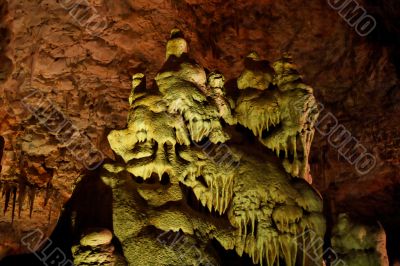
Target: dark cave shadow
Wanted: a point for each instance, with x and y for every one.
(90, 206)
(2, 142)
(230, 257)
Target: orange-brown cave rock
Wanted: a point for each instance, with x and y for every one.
(307, 107)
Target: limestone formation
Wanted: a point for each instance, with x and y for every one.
(358, 244)
(43, 47)
(189, 171)
(282, 117)
(95, 248)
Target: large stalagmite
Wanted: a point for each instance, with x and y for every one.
(188, 154)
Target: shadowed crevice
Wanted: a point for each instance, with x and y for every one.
(1, 151)
(6, 64)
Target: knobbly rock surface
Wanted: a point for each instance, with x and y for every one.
(86, 75)
(96, 237)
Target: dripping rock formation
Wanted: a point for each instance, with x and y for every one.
(69, 66)
(207, 165)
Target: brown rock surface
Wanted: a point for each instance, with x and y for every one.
(85, 73)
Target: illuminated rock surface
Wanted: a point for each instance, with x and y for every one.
(87, 77)
(203, 176)
(359, 244)
(95, 248)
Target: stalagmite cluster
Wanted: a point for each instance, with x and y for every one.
(189, 167)
(359, 244)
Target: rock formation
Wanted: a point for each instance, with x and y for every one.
(78, 60)
(359, 244)
(187, 165)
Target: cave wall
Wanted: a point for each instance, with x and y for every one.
(84, 71)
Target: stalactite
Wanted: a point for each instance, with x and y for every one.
(21, 197)
(48, 194)
(6, 194)
(269, 248)
(32, 194)
(50, 208)
(14, 200)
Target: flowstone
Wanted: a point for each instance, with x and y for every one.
(199, 165)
